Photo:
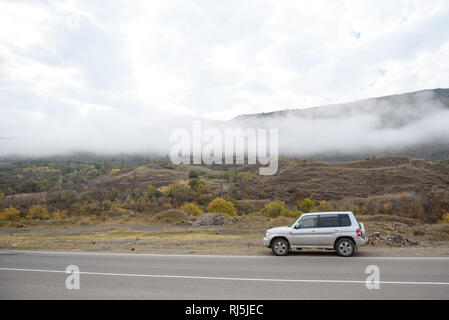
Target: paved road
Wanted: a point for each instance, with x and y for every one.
(41, 275)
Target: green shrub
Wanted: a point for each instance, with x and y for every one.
(59, 214)
(323, 206)
(246, 176)
(444, 218)
(193, 174)
(170, 216)
(38, 212)
(220, 205)
(179, 193)
(276, 209)
(198, 185)
(306, 205)
(192, 209)
(10, 214)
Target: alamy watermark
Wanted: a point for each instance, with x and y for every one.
(230, 146)
(73, 280)
(373, 280)
(73, 21)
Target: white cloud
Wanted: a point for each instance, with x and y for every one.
(22, 25)
(42, 78)
(63, 59)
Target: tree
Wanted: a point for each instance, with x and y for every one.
(149, 189)
(220, 205)
(10, 214)
(197, 185)
(179, 193)
(246, 176)
(275, 209)
(58, 214)
(193, 174)
(324, 206)
(29, 186)
(192, 209)
(38, 212)
(445, 218)
(306, 205)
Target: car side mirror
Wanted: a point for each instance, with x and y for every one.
(297, 226)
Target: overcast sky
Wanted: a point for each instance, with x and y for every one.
(68, 64)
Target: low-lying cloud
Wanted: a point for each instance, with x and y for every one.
(371, 126)
(367, 127)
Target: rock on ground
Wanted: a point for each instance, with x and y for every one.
(211, 219)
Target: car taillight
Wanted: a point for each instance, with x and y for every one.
(359, 232)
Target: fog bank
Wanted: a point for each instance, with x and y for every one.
(365, 127)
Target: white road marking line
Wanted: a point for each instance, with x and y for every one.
(226, 278)
(300, 256)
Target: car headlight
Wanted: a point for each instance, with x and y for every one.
(267, 234)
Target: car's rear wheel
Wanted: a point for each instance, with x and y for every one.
(280, 247)
(345, 247)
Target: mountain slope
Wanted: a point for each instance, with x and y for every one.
(411, 124)
(387, 106)
(354, 179)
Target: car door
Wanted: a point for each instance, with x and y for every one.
(328, 229)
(306, 234)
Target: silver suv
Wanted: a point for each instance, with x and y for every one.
(324, 230)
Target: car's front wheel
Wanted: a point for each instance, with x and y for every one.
(280, 247)
(345, 247)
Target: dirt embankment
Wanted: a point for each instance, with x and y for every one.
(354, 179)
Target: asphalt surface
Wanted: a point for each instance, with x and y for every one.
(41, 275)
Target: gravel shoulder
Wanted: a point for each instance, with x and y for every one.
(388, 236)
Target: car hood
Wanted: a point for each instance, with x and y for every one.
(278, 230)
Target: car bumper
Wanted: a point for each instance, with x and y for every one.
(266, 242)
(360, 241)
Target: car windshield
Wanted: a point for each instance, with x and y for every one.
(297, 220)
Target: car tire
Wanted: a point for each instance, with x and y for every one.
(280, 247)
(345, 247)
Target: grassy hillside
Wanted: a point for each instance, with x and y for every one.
(392, 185)
(354, 179)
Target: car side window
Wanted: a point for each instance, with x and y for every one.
(345, 221)
(328, 221)
(308, 222)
